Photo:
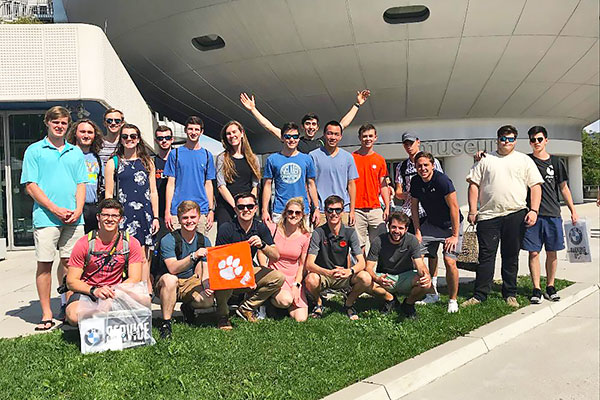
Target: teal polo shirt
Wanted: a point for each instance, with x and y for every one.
(57, 173)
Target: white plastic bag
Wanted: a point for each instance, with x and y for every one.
(578, 243)
(116, 324)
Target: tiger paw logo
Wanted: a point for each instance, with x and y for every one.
(230, 269)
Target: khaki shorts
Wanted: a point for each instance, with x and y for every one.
(403, 283)
(201, 228)
(369, 224)
(50, 238)
(329, 282)
(186, 288)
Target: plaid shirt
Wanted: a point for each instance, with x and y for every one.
(405, 181)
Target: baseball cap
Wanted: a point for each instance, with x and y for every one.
(409, 136)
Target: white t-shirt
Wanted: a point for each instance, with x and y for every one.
(503, 183)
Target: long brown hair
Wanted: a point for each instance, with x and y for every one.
(140, 148)
(228, 166)
(298, 201)
(97, 143)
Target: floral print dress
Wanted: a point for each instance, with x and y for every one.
(134, 194)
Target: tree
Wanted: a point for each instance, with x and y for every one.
(23, 20)
(590, 158)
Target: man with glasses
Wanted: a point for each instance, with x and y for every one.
(92, 273)
(54, 175)
(335, 172)
(548, 229)
(293, 172)
(310, 122)
(499, 184)
(164, 139)
(268, 281)
(328, 260)
(113, 120)
(190, 170)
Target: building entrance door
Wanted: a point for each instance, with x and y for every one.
(19, 130)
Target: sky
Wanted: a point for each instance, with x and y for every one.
(593, 127)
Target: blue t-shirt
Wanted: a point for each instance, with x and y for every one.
(290, 175)
(57, 173)
(432, 195)
(333, 174)
(193, 168)
(92, 168)
(167, 250)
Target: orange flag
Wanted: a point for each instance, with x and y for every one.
(230, 266)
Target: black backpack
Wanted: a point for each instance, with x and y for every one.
(158, 266)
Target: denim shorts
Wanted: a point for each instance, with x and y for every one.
(547, 232)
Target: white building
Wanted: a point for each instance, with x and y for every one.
(13, 9)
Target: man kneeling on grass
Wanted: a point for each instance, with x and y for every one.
(328, 262)
(182, 274)
(400, 267)
(102, 259)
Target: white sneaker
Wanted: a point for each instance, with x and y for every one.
(262, 312)
(430, 298)
(452, 306)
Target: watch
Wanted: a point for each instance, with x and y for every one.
(262, 245)
(352, 271)
(298, 284)
(193, 258)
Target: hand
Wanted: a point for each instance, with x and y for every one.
(104, 292)
(297, 289)
(472, 218)
(62, 213)
(74, 217)
(386, 213)
(168, 221)
(450, 244)
(208, 292)
(255, 241)
(424, 281)
(403, 196)
(201, 252)
(316, 218)
(155, 226)
(419, 236)
(248, 102)
(351, 218)
(574, 218)
(384, 281)
(266, 217)
(530, 218)
(342, 273)
(479, 155)
(210, 220)
(362, 96)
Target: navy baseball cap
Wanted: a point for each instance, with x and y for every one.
(409, 136)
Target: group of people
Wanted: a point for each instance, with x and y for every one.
(316, 217)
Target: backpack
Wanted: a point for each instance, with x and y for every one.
(158, 266)
(124, 236)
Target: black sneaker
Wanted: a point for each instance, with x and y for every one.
(165, 329)
(551, 294)
(388, 306)
(188, 313)
(408, 310)
(62, 314)
(536, 296)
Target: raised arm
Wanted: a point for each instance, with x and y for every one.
(250, 105)
(361, 97)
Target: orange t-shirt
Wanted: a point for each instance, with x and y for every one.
(371, 169)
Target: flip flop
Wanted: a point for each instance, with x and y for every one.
(45, 326)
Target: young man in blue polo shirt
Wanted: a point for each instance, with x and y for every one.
(190, 170)
(54, 175)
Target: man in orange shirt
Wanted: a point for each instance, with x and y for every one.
(372, 171)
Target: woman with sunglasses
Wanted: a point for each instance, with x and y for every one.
(86, 135)
(134, 185)
(291, 239)
(238, 170)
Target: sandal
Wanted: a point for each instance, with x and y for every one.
(351, 312)
(45, 326)
(317, 312)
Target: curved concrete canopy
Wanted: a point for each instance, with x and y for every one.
(471, 59)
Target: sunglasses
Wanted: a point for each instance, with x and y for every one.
(132, 136)
(331, 210)
(507, 139)
(113, 121)
(243, 207)
(163, 138)
(294, 212)
(295, 137)
(537, 139)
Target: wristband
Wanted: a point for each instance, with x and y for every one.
(352, 271)
(92, 295)
(356, 105)
(262, 245)
(298, 284)
(158, 218)
(535, 211)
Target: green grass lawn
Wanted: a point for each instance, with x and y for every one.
(268, 360)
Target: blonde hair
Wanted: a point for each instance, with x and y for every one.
(56, 112)
(298, 201)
